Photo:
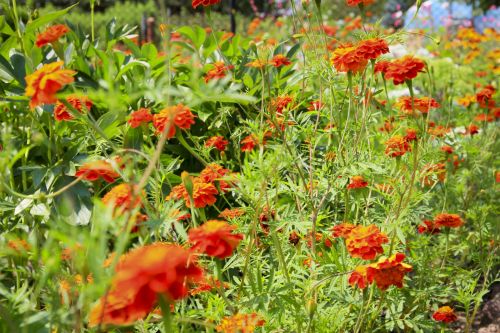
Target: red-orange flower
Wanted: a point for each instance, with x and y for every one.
(280, 103)
(447, 149)
(141, 116)
(438, 170)
(372, 48)
(280, 60)
(406, 68)
(365, 242)
(45, 82)
(411, 135)
(240, 323)
(214, 172)
(218, 142)
(97, 169)
(342, 230)
(347, 58)
(51, 34)
(472, 129)
(122, 197)
(249, 143)
(315, 105)
(215, 238)
(428, 227)
(381, 66)
(257, 63)
(396, 146)
(444, 314)
(353, 3)
(218, 71)
(359, 277)
(80, 103)
(141, 275)
(357, 182)
(448, 220)
(231, 213)
(178, 115)
(485, 97)
(204, 3)
(204, 194)
(388, 271)
(423, 104)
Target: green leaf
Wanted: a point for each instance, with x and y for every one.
(39, 22)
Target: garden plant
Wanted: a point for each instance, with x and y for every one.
(304, 175)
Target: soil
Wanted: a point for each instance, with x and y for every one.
(488, 317)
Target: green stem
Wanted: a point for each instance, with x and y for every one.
(167, 316)
(188, 148)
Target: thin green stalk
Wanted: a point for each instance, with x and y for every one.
(165, 311)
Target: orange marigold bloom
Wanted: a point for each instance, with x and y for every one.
(45, 82)
(353, 3)
(411, 135)
(472, 129)
(215, 238)
(365, 242)
(240, 323)
(178, 115)
(372, 48)
(140, 276)
(280, 103)
(214, 172)
(249, 143)
(97, 169)
(342, 230)
(218, 142)
(141, 116)
(204, 3)
(204, 194)
(232, 213)
(315, 105)
(347, 58)
(280, 60)
(51, 34)
(257, 64)
(388, 271)
(444, 314)
(80, 103)
(447, 149)
(357, 182)
(423, 104)
(428, 227)
(406, 68)
(438, 170)
(19, 245)
(448, 220)
(466, 100)
(122, 197)
(207, 285)
(438, 131)
(485, 97)
(381, 66)
(396, 146)
(218, 71)
(359, 277)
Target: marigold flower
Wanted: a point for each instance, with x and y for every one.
(122, 197)
(80, 103)
(249, 143)
(388, 271)
(381, 67)
(406, 68)
(448, 220)
(294, 237)
(257, 63)
(447, 149)
(438, 131)
(218, 142)
(204, 194)
(423, 104)
(372, 48)
(215, 238)
(178, 115)
(472, 129)
(207, 285)
(214, 172)
(94, 170)
(315, 105)
(437, 170)
(444, 314)
(218, 71)
(485, 97)
(411, 135)
(141, 116)
(357, 182)
(19, 245)
(280, 60)
(232, 213)
(359, 277)
(204, 3)
(466, 100)
(396, 146)
(280, 103)
(365, 242)
(51, 34)
(353, 3)
(240, 323)
(346, 58)
(140, 276)
(45, 82)
(428, 228)
(342, 230)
